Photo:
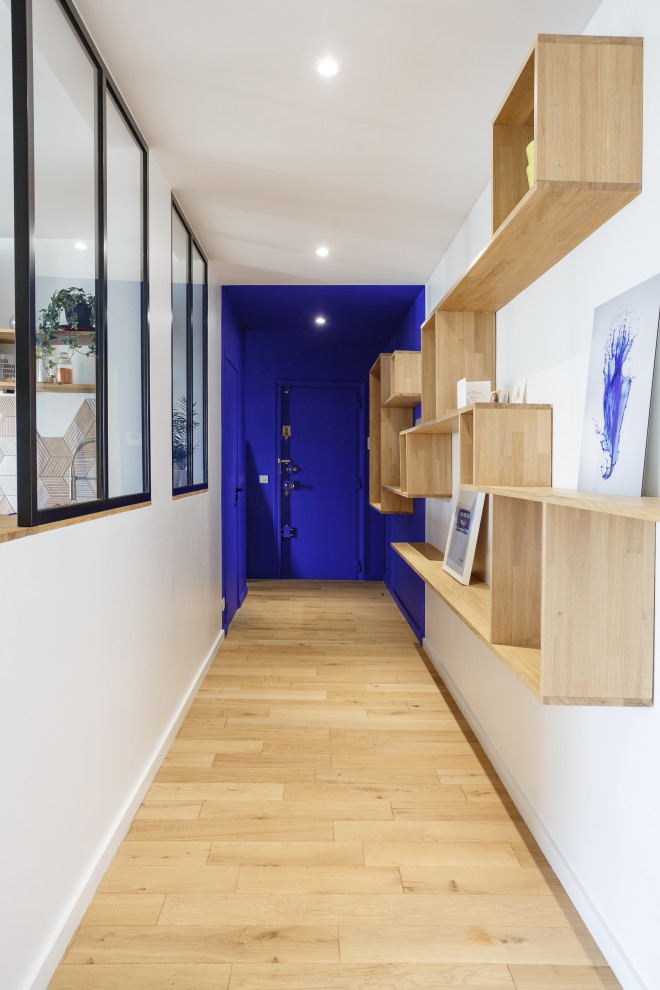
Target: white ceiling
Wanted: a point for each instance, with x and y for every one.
(268, 159)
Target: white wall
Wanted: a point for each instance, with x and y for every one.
(105, 628)
(586, 779)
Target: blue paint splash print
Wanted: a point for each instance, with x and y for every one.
(617, 382)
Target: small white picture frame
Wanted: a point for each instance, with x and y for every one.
(463, 533)
(519, 391)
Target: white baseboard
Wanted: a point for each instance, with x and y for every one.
(44, 969)
(623, 969)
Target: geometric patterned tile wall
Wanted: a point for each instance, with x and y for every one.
(54, 456)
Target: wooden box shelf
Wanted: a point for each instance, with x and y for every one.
(425, 464)
(571, 596)
(580, 99)
(385, 425)
(454, 346)
(500, 444)
(505, 444)
(401, 379)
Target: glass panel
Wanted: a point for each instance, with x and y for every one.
(199, 365)
(65, 93)
(124, 160)
(7, 362)
(179, 353)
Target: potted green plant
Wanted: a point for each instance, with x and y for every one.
(79, 309)
(180, 439)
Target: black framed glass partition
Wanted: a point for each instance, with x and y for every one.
(189, 359)
(8, 493)
(81, 263)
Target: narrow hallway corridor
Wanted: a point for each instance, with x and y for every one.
(325, 820)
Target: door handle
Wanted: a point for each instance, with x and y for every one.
(237, 490)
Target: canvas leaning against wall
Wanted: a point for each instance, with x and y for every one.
(619, 384)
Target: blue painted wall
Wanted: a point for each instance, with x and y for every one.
(406, 588)
(233, 346)
(283, 345)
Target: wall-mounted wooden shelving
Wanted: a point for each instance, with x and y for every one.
(580, 99)
(454, 346)
(49, 387)
(7, 336)
(385, 425)
(570, 608)
(500, 444)
(401, 379)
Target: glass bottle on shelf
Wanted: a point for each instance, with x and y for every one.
(44, 365)
(64, 370)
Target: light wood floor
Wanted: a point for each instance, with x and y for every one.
(325, 820)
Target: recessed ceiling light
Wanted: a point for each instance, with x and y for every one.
(320, 320)
(322, 251)
(327, 66)
(80, 245)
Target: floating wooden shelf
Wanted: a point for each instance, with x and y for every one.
(54, 387)
(49, 387)
(572, 582)
(647, 509)
(472, 603)
(588, 162)
(7, 336)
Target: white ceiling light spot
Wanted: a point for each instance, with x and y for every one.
(322, 251)
(320, 320)
(80, 245)
(327, 67)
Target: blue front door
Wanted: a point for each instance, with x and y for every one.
(319, 481)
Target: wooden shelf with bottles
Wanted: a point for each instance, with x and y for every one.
(570, 607)
(385, 424)
(580, 99)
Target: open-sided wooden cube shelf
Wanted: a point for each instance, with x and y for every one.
(500, 444)
(454, 346)
(580, 99)
(385, 425)
(401, 379)
(570, 608)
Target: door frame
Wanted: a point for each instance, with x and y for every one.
(361, 460)
(236, 426)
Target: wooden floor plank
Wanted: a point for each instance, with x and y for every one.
(483, 944)
(563, 978)
(326, 820)
(376, 977)
(210, 944)
(152, 976)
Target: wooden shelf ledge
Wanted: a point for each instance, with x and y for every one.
(402, 401)
(7, 336)
(472, 604)
(548, 222)
(444, 424)
(644, 508)
(51, 387)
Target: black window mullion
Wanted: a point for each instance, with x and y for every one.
(101, 298)
(23, 127)
(205, 384)
(146, 377)
(189, 359)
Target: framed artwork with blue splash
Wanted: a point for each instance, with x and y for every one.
(619, 386)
